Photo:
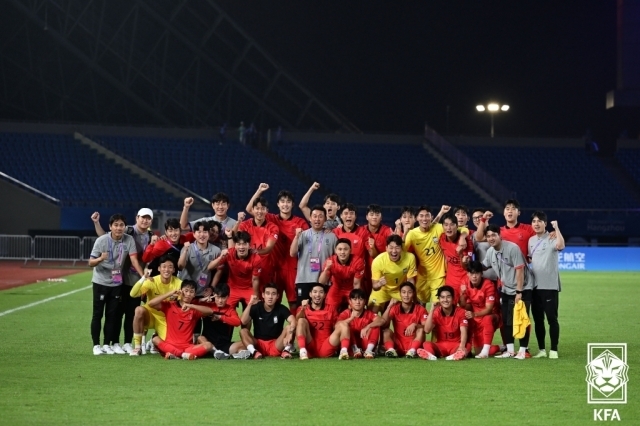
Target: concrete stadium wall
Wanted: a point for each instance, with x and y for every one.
(24, 211)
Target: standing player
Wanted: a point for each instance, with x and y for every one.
(462, 216)
(219, 203)
(481, 247)
(456, 273)
(406, 222)
(270, 337)
(343, 272)
(350, 230)
(544, 265)
(182, 317)
(195, 258)
(375, 235)
(331, 207)
(517, 233)
(389, 271)
(312, 248)
(359, 318)
(146, 317)
(317, 331)
(448, 325)
(244, 270)
(407, 318)
(479, 300)
(108, 260)
(170, 244)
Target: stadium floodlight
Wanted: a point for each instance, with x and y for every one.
(492, 108)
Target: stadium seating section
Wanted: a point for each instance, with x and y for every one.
(64, 168)
(630, 159)
(553, 177)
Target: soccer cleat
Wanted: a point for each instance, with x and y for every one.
(218, 354)
(553, 354)
(152, 348)
(135, 352)
(242, 354)
(425, 354)
(481, 356)
(506, 354)
(391, 353)
(521, 355)
(459, 355)
(411, 353)
(294, 351)
(97, 350)
(257, 355)
(169, 355)
(369, 355)
(303, 354)
(117, 349)
(285, 355)
(343, 354)
(541, 354)
(357, 354)
(107, 350)
(188, 356)
(127, 348)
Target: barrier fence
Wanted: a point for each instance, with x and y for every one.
(24, 247)
(18, 247)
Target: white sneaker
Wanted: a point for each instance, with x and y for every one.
(151, 348)
(97, 350)
(303, 354)
(344, 354)
(117, 349)
(506, 354)
(243, 354)
(127, 348)
(218, 354)
(541, 354)
(135, 352)
(188, 356)
(521, 355)
(553, 354)
(107, 350)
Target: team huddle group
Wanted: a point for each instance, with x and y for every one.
(432, 287)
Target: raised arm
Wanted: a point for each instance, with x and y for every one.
(482, 226)
(443, 210)
(325, 276)
(293, 249)
(156, 302)
(261, 188)
(182, 261)
(304, 203)
(559, 238)
(184, 216)
(95, 217)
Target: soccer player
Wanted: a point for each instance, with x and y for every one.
(406, 222)
(312, 248)
(270, 337)
(375, 235)
(423, 241)
(195, 258)
(544, 265)
(359, 318)
(456, 273)
(264, 235)
(517, 284)
(108, 260)
(343, 272)
(517, 233)
(350, 230)
(462, 216)
(481, 247)
(219, 203)
(182, 317)
(146, 317)
(448, 325)
(479, 300)
(218, 330)
(170, 244)
(407, 318)
(285, 265)
(244, 269)
(317, 331)
(331, 206)
(142, 236)
(389, 271)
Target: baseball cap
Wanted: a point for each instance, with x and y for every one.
(145, 212)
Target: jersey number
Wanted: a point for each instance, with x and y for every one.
(181, 324)
(318, 325)
(430, 251)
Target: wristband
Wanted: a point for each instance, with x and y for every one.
(518, 292)
(483, 219)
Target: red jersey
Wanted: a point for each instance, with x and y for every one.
(342, 276)
(321, 321)
(260, 236)
(446, 328)
(401, 319)
(241, 271)
(380, 237)
(286, 233)
(161, 247)
(519, 235)
(479, 297)
(180, 324)
(456, 273)
(222, 329)
(356, 236)
(356, 326)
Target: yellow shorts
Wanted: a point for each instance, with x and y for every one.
(428, 289)
(156, 322)
(382, 296)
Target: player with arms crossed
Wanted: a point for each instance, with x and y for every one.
(448, 325)
(343, 272)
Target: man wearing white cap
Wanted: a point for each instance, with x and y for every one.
(142, 236)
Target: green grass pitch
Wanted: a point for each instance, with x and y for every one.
(49, 375)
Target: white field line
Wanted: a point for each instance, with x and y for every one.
(39, 302)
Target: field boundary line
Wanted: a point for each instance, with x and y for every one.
(39, 302)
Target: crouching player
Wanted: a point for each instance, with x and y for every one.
(317, 331)
(448, 326)
(182, 317)
(217, 331)
(359, 319)
(407, 318)
(479, 301)
(270, 337)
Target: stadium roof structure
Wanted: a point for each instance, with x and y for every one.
(146, 62)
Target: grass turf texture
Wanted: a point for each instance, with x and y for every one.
(49, 375)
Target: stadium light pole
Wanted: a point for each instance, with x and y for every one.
(492, 108)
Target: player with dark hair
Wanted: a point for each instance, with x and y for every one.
(359, 318)
(406, 222)
(194, 259)
(344, 272)
(331, 206)
(513, 231)
(170, 244)
(388, 271)
(220, 203)
(457, 261)
(461, 213)
(448, 325)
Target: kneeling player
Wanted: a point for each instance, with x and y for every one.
(449, 326)
(182, 317)
(407, 318)
(359, 319)
(270, 337)
(218, 329)
(479, 301)
(315, 323)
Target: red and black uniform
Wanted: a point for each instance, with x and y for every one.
(260, 237)
(446, 331)
(180, 326)
(241, 273)
(356, 326)
(268, 326)
(401, 320)
(342, 277)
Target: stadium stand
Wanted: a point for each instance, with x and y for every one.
(553, 177)
(65, 169)
(630, 159)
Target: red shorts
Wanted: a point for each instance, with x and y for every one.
(402, 344)
(286, 282)
(321, 348)
(338, 296)
(374, 336)
(238, 295)
(482, 329)
(441, 349)
(267, 347)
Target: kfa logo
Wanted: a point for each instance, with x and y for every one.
(606, 414)
(607, 373)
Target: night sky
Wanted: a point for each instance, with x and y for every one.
(389, 66)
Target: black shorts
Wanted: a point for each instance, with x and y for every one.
(508, 302)
(303, 290)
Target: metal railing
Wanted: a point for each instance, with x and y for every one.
(57, 248)
(29, 188)
(86, 246)
(16, 247)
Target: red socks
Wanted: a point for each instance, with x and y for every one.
(302, 342)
